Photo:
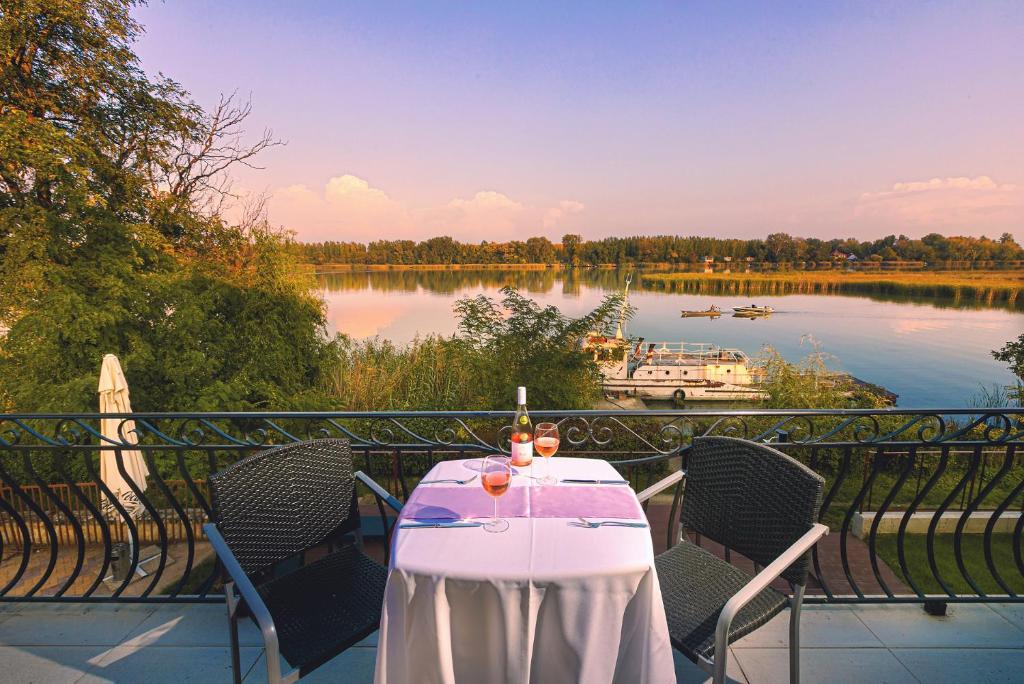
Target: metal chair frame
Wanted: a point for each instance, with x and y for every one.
(760, 581)
(241, 594)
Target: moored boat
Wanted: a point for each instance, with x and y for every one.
(713, 312)
(681, 371)
(753, 309)
(671, 370)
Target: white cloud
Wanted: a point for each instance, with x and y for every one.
(954, 202)
(958, 183)
(350, 208)
(485, 200)
(487, 214)
(554, 216)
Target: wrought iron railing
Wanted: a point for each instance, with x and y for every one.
(924, 505)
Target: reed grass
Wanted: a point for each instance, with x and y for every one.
(428, 374)
(990, 288)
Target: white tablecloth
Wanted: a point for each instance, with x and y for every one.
(541, 602)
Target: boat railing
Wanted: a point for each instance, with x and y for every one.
(691, 352)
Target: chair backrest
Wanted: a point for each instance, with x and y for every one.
(284, 500)
(750, 498)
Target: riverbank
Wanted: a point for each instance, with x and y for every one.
(1003, 288)
(718, 267)
(362, 268)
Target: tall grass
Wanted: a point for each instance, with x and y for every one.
(428, 374)
(810, 384)
(992, 289)
(435, 374)
(998, 396)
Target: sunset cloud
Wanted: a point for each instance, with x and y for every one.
(485, 200)
(554, 216)
(348, 208)
(351, 208)
(945, 203)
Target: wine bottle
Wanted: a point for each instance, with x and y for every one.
(522, 432)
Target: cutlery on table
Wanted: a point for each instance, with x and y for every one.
(583, 522)
(461, 523)
(450, 481)
(604, 482)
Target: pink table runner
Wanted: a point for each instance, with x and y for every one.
(598, 501)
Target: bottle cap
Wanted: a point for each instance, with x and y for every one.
(521, 395)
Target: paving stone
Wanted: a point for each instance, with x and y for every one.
(173, 643)
(198, 625)
(820, 626)
(79, 624)
(833, 665)
(689, 673)
(166, 664)
(38, 664)
(968, 625)
(370, 641)
(354, 666)
(1014, 612)
(941, 665)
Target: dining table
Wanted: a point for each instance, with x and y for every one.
(550, 599)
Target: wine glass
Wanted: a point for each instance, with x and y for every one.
(545, 441)
(496, 476)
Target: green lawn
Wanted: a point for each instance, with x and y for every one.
(974, 559)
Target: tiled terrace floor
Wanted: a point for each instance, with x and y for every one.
(144, 643)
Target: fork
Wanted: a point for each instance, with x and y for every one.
(583, 522)
(450, 481)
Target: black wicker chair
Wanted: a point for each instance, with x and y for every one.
(760, 503)
(269, 509)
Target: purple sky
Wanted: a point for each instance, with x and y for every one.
(493, 120)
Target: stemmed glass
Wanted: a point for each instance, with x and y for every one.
(496, 476)
(545, 441)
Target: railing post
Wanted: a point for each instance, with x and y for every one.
(935, 607)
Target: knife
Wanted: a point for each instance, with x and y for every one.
(604, 482)
(440, 524)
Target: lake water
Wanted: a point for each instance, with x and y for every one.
(929, 352)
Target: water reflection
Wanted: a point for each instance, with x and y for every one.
(570, 283)
(931, 352)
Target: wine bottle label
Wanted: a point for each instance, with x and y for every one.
(522, 453)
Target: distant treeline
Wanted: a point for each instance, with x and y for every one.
(667, 249)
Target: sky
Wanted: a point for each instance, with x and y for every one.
(500, 120)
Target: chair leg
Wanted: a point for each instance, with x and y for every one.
(232, 601)
(795, 604)
(719, 665)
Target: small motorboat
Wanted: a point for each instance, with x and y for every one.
(754, 310)
(713, 312)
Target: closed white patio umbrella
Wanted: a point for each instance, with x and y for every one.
(113, 391)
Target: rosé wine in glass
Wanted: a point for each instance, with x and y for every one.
(496, 484)
(545, 441)
(496, 477)
(546, 446)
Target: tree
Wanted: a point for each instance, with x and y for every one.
(1013, 354)
(111, 234)
(518, 340)
(539, 250)
(571, 244)
(781, 247)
